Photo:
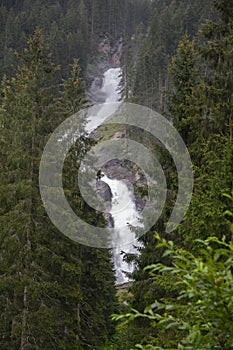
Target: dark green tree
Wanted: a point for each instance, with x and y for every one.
(217, 53)
(201, 316)
(181, 98)
(96, 280)
(54, 292)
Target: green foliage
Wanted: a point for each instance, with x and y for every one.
(217, 55)
(73, 28)
(149, 51)
(57, 294)
(181, 100)
(199, 103)
(213, 178)
(54, 292)
(201, 317)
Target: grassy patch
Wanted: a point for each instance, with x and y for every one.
(106, 132)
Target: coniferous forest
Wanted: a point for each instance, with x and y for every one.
(176, 58)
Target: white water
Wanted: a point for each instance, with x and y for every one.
(110, 90)
(123, 209)
(124, 214)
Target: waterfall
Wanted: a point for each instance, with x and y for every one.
(109, 93)
(123, 210)
(124, 215)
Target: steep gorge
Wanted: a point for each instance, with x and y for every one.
(124, 212)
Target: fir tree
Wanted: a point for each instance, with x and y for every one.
(217, 53)
(52, 289)
(181, 99)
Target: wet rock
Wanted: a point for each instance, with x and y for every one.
(104, 47)
(104, 191)
(118, 135)
(108, 57)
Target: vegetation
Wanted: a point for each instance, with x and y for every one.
(177, 59)
(54, 293)
(71, 28)
(201, 316)
(179, 307)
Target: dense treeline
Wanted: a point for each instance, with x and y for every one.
(149, 51)
(197, 98)
(71, 28)
(57, 294)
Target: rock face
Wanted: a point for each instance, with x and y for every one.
(104, 47)
(104, 191)
(111, 53)
(118, 135)
(117, 53)
(109, 57)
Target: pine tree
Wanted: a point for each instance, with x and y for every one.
(96, 280)
(217, 53)
(55, 293)
(25, 105)
(212, 150)
(199, 104)
(181, 99)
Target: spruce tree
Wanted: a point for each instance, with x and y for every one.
(217, 53)
(96, 280)
(183, 74)
(52, 289)
(199, 104)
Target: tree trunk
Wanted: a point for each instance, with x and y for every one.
(92, 21)
(23, 344)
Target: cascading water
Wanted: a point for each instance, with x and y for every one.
(123, 209)
(124, 215)
(110, 93)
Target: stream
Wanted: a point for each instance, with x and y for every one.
(123, 209)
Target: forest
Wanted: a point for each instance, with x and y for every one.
(175, 57)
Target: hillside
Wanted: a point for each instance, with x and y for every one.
(92, 255)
